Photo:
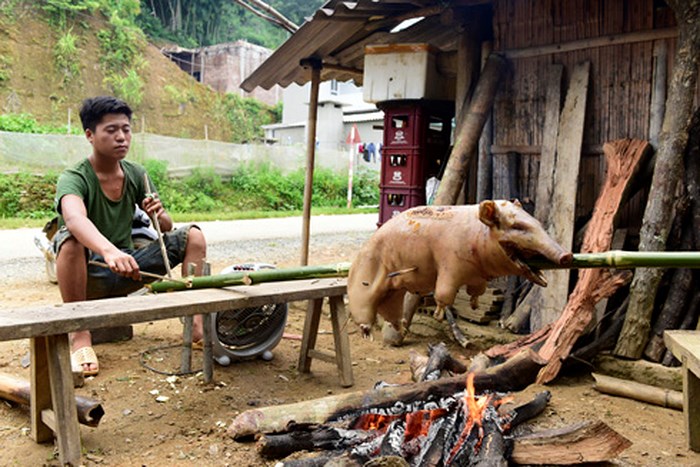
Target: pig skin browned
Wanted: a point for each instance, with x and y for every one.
(439, 249)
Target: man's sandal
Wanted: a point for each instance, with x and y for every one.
(83, 356)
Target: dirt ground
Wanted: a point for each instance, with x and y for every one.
(190, 427)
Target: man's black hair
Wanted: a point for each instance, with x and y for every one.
(94, 108)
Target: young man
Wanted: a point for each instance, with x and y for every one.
(95, 201)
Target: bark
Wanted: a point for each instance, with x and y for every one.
(675, 304)
(623, 159)
(467, 137)
(658, 215)
(576, 444)
(692, 176)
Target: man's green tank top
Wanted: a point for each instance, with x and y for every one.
(112, 218)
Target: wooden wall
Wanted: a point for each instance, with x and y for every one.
(619, 95)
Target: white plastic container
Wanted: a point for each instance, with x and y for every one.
(401, 71)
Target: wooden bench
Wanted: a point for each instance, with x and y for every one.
(685, 346)
(53, 409)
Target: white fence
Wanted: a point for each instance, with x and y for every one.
(43, 153)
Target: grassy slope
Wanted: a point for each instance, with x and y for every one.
(34, 86)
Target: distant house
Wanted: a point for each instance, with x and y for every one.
(340, 107)
(224, 66)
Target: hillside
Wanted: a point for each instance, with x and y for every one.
(173, 103)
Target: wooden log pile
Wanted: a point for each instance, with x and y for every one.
(430, 426)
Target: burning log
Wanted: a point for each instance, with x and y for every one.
(576, 444)
(18, 390)
(513, 375)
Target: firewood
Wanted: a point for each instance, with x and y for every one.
(18, 390)
(531, 409)
(456, 331)
(514, 374)
(576, 444)
(638, 391)
(430, 368)
(623, 158)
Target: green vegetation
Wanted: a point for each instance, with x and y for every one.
(66, 57)
(247, 115)
(25, 123)
(254, 190)
(199, 23)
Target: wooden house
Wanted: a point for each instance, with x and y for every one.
(629, 45)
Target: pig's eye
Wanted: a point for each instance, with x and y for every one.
(518, 226)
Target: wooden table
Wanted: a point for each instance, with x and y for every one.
(53, 409)
(685, 346)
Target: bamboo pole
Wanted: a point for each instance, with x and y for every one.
(616, 259)
(254, 277)
(638, 391)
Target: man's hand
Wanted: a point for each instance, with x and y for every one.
(123, 264)
(155, 210)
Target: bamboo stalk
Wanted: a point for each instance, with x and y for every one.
(254, 277)
(610, 259)
(619, 259)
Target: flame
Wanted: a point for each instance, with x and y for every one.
(418, 423)
(373, 421)
(474, 410)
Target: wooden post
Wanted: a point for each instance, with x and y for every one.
(658, 215)
(484, 185)
(469, 131)
(315, 66)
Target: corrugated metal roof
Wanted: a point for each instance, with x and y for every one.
(338, 32)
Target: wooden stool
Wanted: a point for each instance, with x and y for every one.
(685, 346)
(341, 357)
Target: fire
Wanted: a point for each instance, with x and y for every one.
(373, 422)
(418, 423)
(474, 410)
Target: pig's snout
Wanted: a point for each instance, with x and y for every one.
(566, 259)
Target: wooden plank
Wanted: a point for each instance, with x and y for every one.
(561, 220)
(585, 44)
(685, 345)
(63, 399)
(549, 143)
(64, 318)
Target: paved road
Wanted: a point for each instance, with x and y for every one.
(19, 243)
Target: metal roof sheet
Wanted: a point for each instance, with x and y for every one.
(337, 33)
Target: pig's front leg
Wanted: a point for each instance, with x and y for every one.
(445, 293)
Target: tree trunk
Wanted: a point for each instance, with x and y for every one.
(658, 215)
(467, 137)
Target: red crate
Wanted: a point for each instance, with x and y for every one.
(417, 123)
(396, 200)
(409, 168)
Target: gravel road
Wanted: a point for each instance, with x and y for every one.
(276, 241)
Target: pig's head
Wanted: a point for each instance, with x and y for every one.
(521, 237)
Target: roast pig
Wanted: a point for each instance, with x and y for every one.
(439, 249)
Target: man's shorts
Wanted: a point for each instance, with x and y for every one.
(103, 283)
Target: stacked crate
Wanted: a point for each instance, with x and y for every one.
(416, 142)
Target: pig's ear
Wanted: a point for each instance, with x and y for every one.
(516, 202)
(488, 213)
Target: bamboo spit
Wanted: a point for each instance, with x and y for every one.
(610, 259)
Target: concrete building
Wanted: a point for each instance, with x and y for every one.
(223, 67)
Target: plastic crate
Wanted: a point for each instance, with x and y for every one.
(394, 201)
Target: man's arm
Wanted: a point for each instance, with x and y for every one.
(82, 228)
